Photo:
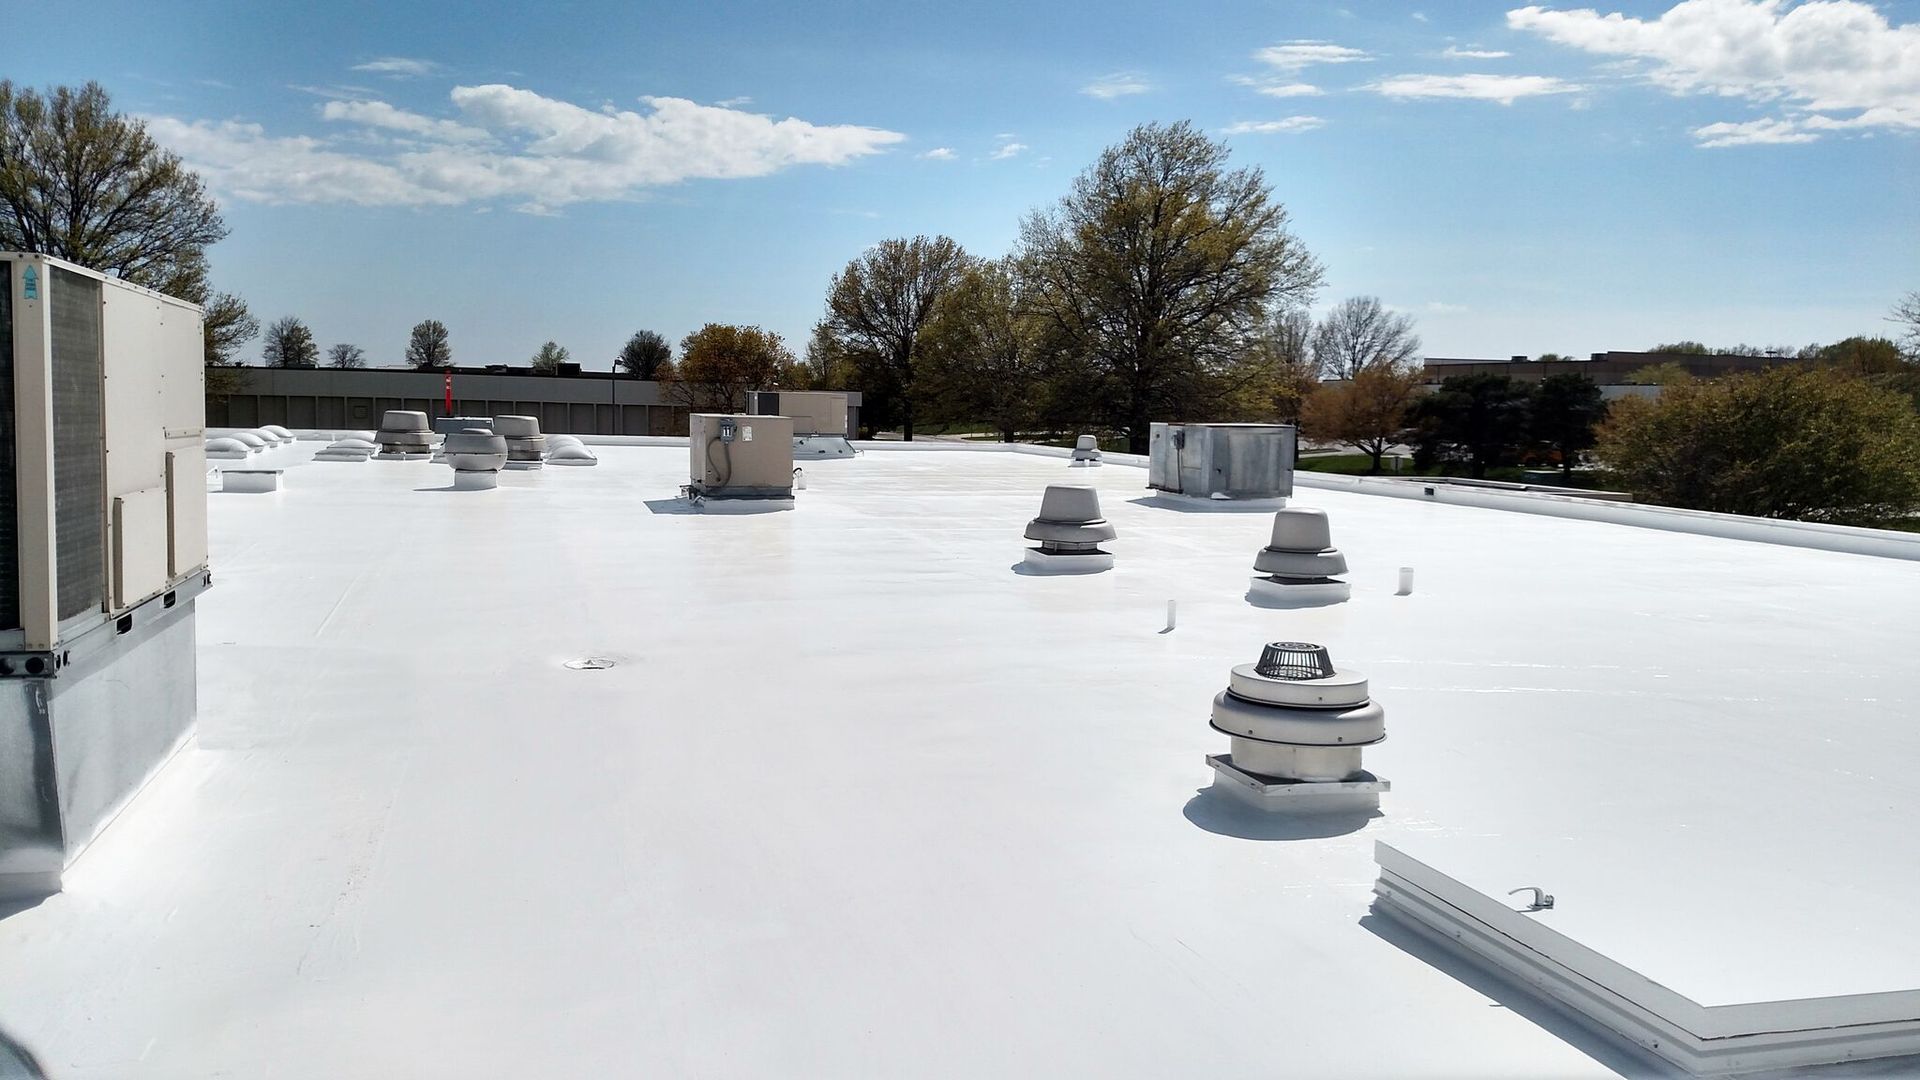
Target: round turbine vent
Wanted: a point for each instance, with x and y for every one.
(1297, 660)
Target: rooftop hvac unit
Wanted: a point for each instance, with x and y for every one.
(819, 419)
(103, 547)
(1222, 461)
(740, 459)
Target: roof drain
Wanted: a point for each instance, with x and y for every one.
(405, 436)
(526, 447)
(1297, 725)
(1299, 563)
(1086, 453)
(1070, 530)
(477, 455)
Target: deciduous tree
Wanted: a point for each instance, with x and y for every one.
(1155, 270)
(548, 358)
(1367, 412)
(879, 305)
(982, 354)
(428, 346)
(1863, 355)
(720, 363)
(644, 354)
(1360, 333)
(289, 344)
(1814, 445)
(344, 355)
(1906, 313)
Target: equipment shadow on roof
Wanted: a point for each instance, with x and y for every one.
(1604, 1048)
(1224, 817)
(1194, 505)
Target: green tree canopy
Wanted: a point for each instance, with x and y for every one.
(1367, 412)
(719, 363)
(878, 308)
(644, 354)
(289, 344)
(1479, 419)
(81, 182)
(1863, 355)
(1565, 410)
(1155, 270)
(428, 346)
(983, 357)
(1813, 445)
(548, 358)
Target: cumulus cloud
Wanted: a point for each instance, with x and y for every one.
(1292, 125)
(1007, 150)
(1821, 65)
(1505, 89)
(382, 115)
(1294, 55)
(1119, 84)
(400, 67)
(940, 153)
(512, 144)
(1454, 52)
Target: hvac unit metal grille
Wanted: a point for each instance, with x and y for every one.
(79, 456)
(9, 521)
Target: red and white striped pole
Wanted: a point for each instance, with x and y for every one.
(449, 393)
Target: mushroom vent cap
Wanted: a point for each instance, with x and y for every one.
(1070, 504)
(518, 427)
(403, 420)
(1301, 528)
(1294, 661)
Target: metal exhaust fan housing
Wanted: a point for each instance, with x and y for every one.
(405, 435)
(526, 447)
(477, 456)
(1070, 530)
(1298, 567)
(1297, 726)
(1086, 452)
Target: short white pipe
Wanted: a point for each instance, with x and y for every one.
(1406, 582)
(1170, 614)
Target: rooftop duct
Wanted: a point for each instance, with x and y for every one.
(1070, 530)
(1086, 452)
(405, 436)
(526, 447)
(1299, 563)
(1221, 461)
(1297, 725)
(477, 456)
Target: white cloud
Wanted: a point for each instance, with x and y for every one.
(1279, 89)
(1292, 125)
(382, 115)
(1420, 16)
(1118, 84)
(1505, 89)
(515, 145)
(399, 67)
(1007, 150)
(734, 102)
(1454, 52)
(1294, 55)
(1824, 64)
(939, 153)
(1753, 133)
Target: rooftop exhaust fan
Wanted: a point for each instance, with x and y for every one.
(1297, 725)
(526, 447)
(477, 456)
(1299, 563)
(405, 436)
(1086, 452)
(1070, 530)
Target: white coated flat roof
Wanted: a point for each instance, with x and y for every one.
(858, 799)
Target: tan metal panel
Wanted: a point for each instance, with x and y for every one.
(139, 545)
(186, 510)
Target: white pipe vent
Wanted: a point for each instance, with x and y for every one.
(1298, 567)
(1070, 530)
(1297, 726)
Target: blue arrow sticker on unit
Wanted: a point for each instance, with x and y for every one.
(30, 284)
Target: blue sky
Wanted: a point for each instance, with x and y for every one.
(1520, 180)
